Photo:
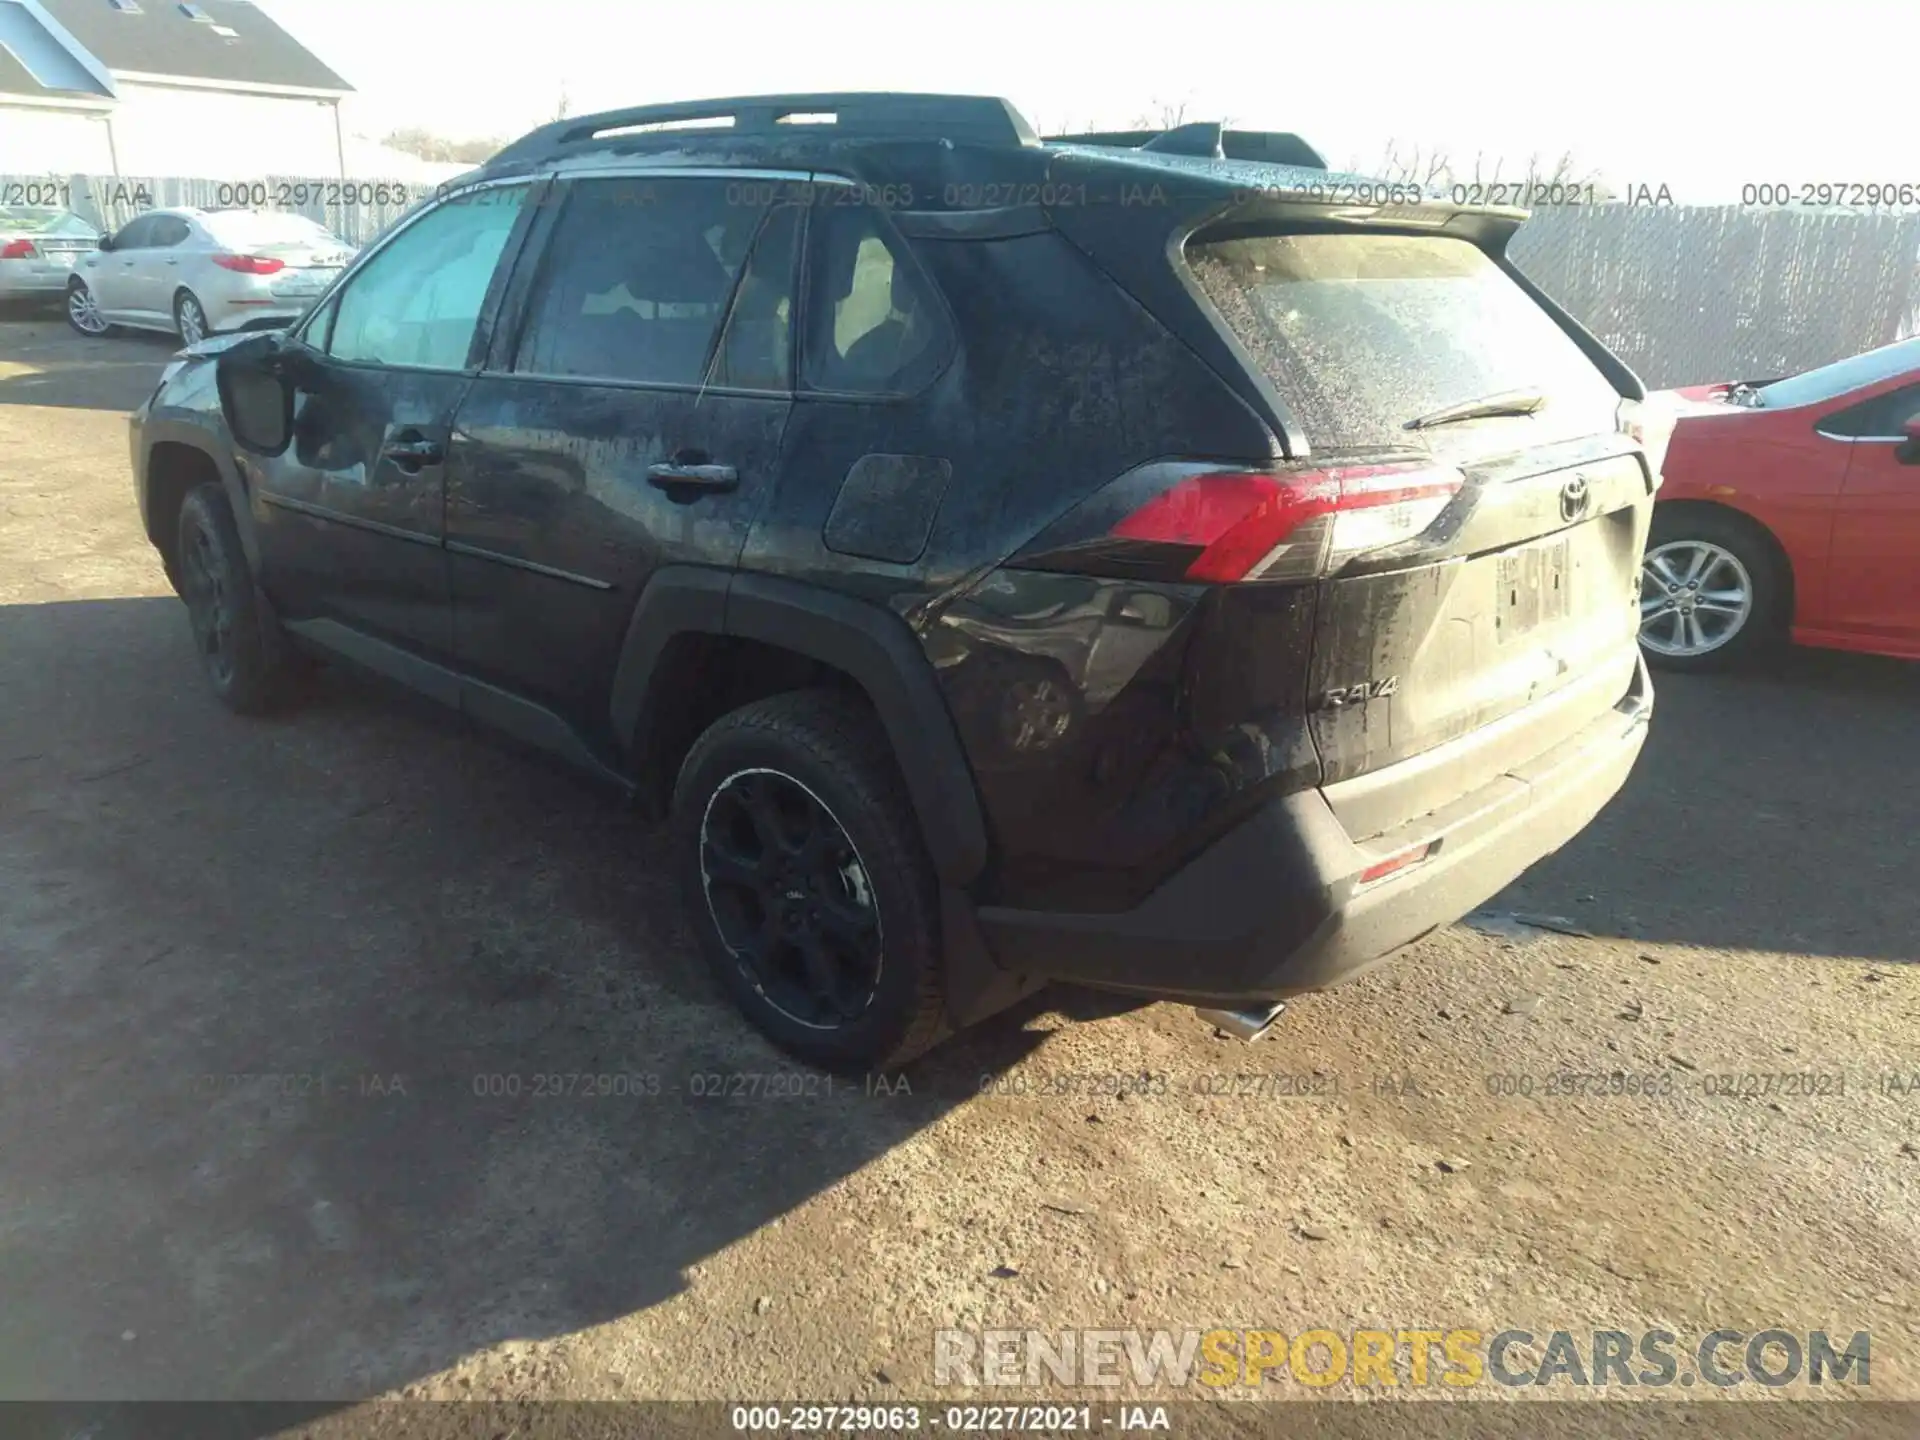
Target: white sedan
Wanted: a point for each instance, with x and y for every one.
(196, 273)
(38, 248)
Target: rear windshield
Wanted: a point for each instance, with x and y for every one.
(256, 228)
(1361, 332)
(17, 221)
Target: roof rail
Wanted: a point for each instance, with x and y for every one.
(1272, 147)
(976, 119)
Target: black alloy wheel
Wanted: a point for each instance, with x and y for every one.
(791, 898)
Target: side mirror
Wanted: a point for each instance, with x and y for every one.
(106, 242)
(1909, 453)
(257, 379)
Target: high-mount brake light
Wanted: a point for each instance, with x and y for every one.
(1292, 524)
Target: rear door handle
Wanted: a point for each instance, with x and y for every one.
(676, 476)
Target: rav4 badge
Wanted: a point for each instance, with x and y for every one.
(1359, 694)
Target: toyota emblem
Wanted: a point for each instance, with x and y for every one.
(1573, 498)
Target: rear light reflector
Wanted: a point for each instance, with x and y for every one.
(1650, 423)
(18, 250)
(1291, 524)
(250, 264)
(1393, 864)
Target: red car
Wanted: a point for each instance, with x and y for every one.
(1791, 510)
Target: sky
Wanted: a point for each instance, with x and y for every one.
(1701, 98)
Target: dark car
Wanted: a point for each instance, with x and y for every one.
(1144, 561)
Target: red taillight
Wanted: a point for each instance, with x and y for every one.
(250, 264)
(18, 250)
(1291, 524)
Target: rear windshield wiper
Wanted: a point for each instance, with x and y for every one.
(1507, 402)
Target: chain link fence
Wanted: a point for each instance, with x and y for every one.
(1685, 294)
(355, 210)
(1689, 294)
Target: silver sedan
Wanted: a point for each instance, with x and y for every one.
(38, 248)
(195, 273)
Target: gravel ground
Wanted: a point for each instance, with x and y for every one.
(257, 978)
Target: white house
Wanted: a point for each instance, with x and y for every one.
(209, 88)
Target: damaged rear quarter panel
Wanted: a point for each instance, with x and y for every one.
(1059, 384)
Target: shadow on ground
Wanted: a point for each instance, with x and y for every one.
(335, 1048)
(1772, 810)
(45, 362)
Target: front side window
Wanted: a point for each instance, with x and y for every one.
(136, 234)
(873, 326)
(416, 303)
(637, 279)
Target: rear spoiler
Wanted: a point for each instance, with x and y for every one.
(1210, 140)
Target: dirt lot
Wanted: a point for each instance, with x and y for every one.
(255, 979)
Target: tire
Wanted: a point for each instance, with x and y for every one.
(76, 308)
(242, 649)
(185, 305)
(767, 788)
(1736, 558)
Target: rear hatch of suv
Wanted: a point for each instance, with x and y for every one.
(1508, 623)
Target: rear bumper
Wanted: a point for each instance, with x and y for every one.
(19, 281)
(1277, 906)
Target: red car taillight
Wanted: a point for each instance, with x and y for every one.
(18, 250)
(250, 264)
(1291, 524)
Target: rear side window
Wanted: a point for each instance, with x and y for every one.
(1361, 332)
(168, 231)
(1882, 418)
(872, 324)
(637, 279)
(42, 222)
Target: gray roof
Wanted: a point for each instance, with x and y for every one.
(160, 39)
(39, 61)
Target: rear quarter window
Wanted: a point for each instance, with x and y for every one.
(873, 325)
(1360, 332)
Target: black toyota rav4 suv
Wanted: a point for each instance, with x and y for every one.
(1145, 561)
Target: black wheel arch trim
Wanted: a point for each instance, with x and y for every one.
(873, 646)
(158, 431)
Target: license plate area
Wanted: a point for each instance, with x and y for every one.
(1535, 589)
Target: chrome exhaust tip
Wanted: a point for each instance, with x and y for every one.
(1243, 1024)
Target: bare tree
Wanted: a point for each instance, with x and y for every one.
(438, 148)
(1160, 116)
(1410, 165)
(1434, 168)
